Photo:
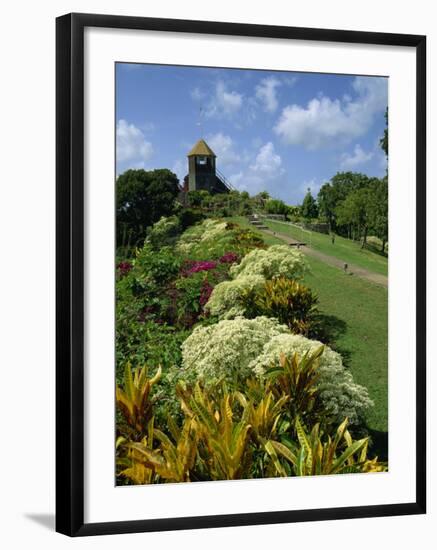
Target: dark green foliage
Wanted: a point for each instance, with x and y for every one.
(190, 216)
(378, 210)
(353, 213)
(155, 268)
(365, 210)
(164, 232)
(143, 197)
(275, 206)
(326, 202)
(198, 198)
(141, 333)
(355, 206)
(309, 206)
(146, 342)
(332, 194)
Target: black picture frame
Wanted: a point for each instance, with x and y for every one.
(70, 273)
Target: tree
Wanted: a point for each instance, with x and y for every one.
(198, 197)
(276, 206)
(143, 197)
(309, 206)
(293, 212)
(384, 140)
(378, 209)
(264, 195)
(344, 183)
(332, 195)
(353, 212)
(326, 204)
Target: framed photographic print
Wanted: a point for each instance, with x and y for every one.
(240, 274)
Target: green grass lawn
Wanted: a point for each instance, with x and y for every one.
(343, 249)
(357, 312)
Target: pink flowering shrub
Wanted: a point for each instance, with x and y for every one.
(195, 266)
(205, 292)
(229, 258)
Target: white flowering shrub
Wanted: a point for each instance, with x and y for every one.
(164, 232)
(213, 229)
(226, 299)
(340, 395)
(189, 238)
(225, 351)
(207, 239)
(278, 260)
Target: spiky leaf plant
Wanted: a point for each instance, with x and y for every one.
(134, 401)
(225, 450)
(292, 303)
(312, 455)
(297, 376)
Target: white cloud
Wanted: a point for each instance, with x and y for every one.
(265, 91)
(197, 94)
(236, 180)
(224, 102)
(223, 147)
(268, 164)
(289, 80)
(382, 163)
(148, 127)
(313, 185)
(132, 148)
(180, 168)
(263, 171)
(325, 122)
(357, 158)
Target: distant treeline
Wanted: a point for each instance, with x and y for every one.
(355, 206)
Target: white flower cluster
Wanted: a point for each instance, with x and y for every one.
(340, 395)
(232, 350)
(213, 229)
(257, 266)
(278, 260)
(225, 300)
(224, 351)
(206, 233)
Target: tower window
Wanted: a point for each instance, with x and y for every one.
(201, 160)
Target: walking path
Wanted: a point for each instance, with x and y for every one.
(353, 269)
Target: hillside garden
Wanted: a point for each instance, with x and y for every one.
(237, 357)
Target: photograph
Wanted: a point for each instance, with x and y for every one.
(217, 294)
(251, 274)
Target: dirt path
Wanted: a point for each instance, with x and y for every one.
(353, 269)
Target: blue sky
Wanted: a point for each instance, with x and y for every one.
(282, 132)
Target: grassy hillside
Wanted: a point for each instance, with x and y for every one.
(343, 249)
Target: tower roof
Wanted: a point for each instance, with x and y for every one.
(201, 149)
